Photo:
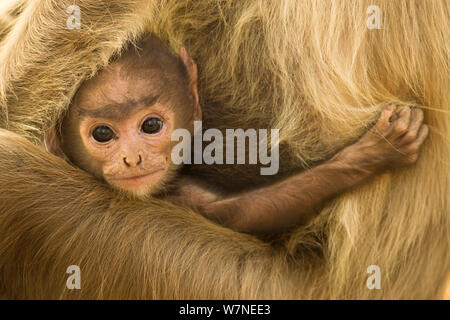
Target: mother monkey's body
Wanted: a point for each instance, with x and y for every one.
(321, 83)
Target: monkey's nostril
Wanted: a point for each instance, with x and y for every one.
(136, 164)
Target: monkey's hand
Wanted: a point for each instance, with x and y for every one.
(394, 141)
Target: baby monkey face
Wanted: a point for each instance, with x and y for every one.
(133, 153)
(120, 124)
(125, 127)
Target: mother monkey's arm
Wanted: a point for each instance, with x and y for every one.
(53, 215)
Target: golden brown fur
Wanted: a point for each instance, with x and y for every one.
(311, 68)
(116, 242)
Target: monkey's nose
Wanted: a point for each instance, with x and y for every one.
(129, 163)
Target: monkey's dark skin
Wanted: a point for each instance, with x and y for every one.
(297, 199)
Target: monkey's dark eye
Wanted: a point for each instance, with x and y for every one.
(152, 125)
(102, 134)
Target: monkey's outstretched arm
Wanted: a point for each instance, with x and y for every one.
(297, 199)
(53, 215)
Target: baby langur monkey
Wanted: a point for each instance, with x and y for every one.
(119, 129)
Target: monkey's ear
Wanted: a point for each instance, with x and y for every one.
(191, 68)
(53, 143)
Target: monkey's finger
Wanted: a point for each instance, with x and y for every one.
(383, 121)
(401, 112)
(404, 115)
(400, 126)
(415, 124)
(421, 136)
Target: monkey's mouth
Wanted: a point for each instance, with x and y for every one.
(147, 179)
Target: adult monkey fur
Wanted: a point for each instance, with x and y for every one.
(311, 68)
